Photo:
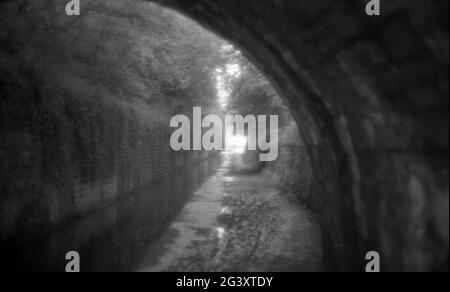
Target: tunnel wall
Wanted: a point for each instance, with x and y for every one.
(370, 96)
(87, 176)
(85, 157)
(293, 155)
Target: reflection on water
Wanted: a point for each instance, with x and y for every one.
(228, 179)
(221, 233)
(222, 236)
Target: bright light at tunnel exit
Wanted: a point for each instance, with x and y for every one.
(238, 143)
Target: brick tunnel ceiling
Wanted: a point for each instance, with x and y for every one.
(369, 95)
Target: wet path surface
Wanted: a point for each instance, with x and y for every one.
(238, 223)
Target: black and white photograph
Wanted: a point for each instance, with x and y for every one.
(224, 143)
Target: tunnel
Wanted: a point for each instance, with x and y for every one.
(86, 103)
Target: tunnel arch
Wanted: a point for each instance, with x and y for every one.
(330, 63)
(370, 96)
(313, 117)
